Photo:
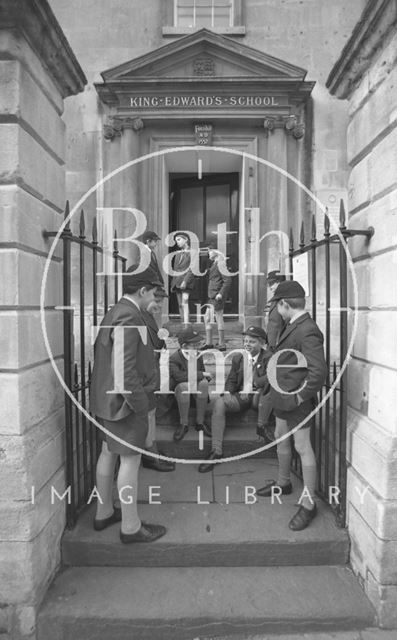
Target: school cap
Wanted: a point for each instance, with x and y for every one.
(181, 234)
(275, 276)
(145, 278)
(161, 293)
(189, 336)
(255, 332)
(149, 235)
(289, 289)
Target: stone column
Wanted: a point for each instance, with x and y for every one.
(366, 75)
(37, 71)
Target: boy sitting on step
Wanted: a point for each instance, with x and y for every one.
(233, 400)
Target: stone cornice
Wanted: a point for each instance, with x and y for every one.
(377, 21)
(36, 21)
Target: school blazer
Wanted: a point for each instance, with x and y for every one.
(302, 335)
(275, 325)
(235, 380)
(181, 262)
(178, 368)
(139, 366)
(218, 283)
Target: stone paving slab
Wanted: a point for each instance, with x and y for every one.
(217, 533)
(187, 603)
(362, 634)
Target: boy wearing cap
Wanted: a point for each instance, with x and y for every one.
(218, 289)
(149, 316)
(274, 322)
(294, 389)
(121, 395)
(150, 239)
(189, 341)
(233, 400)
(182, 284)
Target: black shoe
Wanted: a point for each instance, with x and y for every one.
(266, 491)
(205, 429)
(302, 518)
(180, 432)
(220, 347)
(100, 525)
(208, 466)
(206, 346)
(266, 432)
(156, 464)
(147, 533)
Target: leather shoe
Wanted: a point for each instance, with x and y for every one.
(155, 463)
(103, 523)
(205, 428)
(180, 432)
(208, 466)
(266, 491)
(147, 533)
(206, 346)
(220, 347)
(302, 518)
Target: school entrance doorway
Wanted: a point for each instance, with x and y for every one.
(199, 204)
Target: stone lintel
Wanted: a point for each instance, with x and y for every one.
(377, 21)
(36, 21)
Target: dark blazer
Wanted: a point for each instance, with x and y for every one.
(178, 367)
(275, 325)
(235, 380)
(181, 262)
(302, 335)
(155, 266)
(218, 283)
(139, 366)
(150, 321)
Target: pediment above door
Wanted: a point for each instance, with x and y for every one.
(203, 62)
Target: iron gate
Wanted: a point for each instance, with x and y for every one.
(81, 260)
(329, 308)
(328, 294)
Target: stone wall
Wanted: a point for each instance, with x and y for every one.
(366, 74)
(37, 71)
(307, 33)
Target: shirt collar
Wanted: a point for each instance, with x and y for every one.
(131, 300)
(300, 313)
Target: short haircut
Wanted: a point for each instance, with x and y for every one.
(296, 303)
(133, 288)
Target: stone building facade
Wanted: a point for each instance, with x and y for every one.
(366, 75)
(283, 51)
(38, 70)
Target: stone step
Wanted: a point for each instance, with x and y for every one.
(240, 436)
(215, 533)
(121, 603)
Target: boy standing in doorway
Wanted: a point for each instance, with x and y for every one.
(295, 383)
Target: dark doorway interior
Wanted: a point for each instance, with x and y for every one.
(199, 205)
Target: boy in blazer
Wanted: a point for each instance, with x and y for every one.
(149, 316)
(182, 284)
(218, 289)
(121, 395)
(189, 341)
(233, 400)
(294, 389)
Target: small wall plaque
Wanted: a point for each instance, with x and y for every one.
(203, 133)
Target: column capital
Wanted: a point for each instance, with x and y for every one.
(114, 126)
(290, 124)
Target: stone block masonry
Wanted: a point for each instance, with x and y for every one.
(37, 72)
(366, 75)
